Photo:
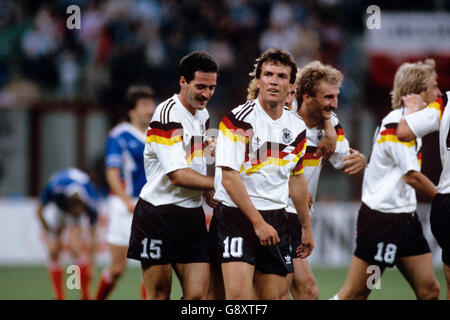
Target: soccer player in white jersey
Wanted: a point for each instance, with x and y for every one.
(388, 230)
(317, 91)
(418, 123)
(169, 227)
(68, 196)
(125, 175)
(259, 162)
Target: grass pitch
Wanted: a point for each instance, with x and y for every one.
(32, 282)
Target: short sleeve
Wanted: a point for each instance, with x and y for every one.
(113, 153)
(405, 156)
(299, 151)
(166, 141)
(232, 142)
(427, 120)
(46, 194)
(342, 148)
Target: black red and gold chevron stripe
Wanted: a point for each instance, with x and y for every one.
(167, 134)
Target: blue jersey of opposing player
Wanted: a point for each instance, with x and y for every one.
(64, 184)
(124, 150)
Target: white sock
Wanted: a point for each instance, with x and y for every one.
(335, 297)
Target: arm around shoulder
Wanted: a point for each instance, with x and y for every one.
(420, 183)
(404, 132)
(188, 178)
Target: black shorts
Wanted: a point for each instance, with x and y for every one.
(382, 238)
(237, 241)
(168, 234)
(440, 224)
(212, 240)
(295, 229)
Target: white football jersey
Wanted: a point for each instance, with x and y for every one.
(383, 188)
(175, 140)
(264, 151)
(436, 116)
(313, 163)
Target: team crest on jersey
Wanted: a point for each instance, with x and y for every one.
(320, 135)
(201, 126)
(286, 135)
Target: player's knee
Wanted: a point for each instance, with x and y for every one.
(200, 293)
(313, 292)
(429, 292)
(117, 271)
(159, 292)
(54, 255)
(196, 296)
(306, 290)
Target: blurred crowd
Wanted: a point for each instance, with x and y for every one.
(140, 41)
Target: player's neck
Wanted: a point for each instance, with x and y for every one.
(186, 104)
(139, 126)
(311, 120)
(273, 110)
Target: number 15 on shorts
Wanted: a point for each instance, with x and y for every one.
(154, 250)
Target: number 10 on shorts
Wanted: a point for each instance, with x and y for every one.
(154, 250)
(233, 247)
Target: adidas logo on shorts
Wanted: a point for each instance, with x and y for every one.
(288, 259)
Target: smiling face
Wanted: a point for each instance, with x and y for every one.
(274, 83)
(324, 102)
(196, 94)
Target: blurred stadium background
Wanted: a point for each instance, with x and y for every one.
(61, 90)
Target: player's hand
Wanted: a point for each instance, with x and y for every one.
(209, 198)
(354, 162)
(266, 234)
(211, 146)
(307, 246)
(130, 205)
(326, 146)
(413, 103)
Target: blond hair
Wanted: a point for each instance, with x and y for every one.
(412, 78)
(311, 75)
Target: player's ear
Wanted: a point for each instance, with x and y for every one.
(183, 81)
(306, 97)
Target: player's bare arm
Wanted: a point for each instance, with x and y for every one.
(209, 198)
(233, 184)
(298, 191)
(117, 187)
(40, 214)
(189, 178)
(354, 162)
(327, 144)
(421, 184)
